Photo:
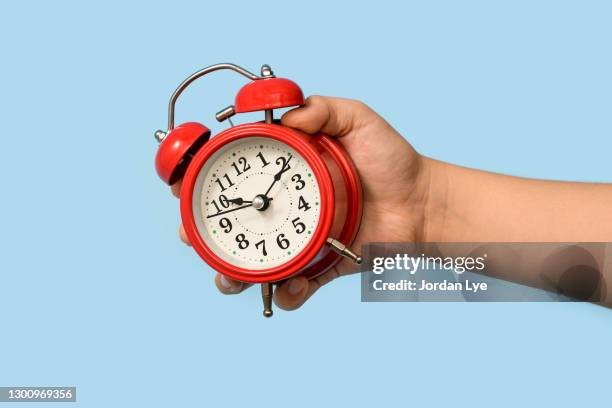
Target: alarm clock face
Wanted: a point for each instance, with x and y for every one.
(256, 203)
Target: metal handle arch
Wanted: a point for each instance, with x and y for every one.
(198, 74)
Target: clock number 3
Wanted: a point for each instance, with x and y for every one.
(297, 178)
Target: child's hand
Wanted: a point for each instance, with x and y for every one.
(393, 175)
(408, 197)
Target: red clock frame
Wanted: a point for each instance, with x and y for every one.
(341, 203)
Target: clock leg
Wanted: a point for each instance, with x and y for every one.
(266, 295)
(343, 250)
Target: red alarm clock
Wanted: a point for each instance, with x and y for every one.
(261, 202)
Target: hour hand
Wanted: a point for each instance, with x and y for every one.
(239, 201)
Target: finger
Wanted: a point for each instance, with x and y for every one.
(183, 235)
(333, 116)
(291, 294)
(296, 291)
(176, 188)
(229, 286)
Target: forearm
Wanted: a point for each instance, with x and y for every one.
(466, 205)
(471, 206)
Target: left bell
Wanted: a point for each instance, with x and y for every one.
(177, 148)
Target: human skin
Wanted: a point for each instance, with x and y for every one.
(408, 197)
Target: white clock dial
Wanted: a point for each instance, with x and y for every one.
(239, 219)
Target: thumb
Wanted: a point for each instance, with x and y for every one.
(332, 116)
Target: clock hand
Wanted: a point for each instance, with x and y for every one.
(239, 201)
(230, 210)
(250, 204)
(278, 175)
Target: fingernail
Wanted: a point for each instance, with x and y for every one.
(229, 285)
(295, 287)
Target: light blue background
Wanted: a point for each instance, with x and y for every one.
(98, 292)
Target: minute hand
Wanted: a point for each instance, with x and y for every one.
(278, 175)
(230, 210)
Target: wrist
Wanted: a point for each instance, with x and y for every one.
(436, 215)
(464, 205)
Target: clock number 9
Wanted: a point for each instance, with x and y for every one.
(226, 225)
(297, 178)
(282, 242)
(242, 242)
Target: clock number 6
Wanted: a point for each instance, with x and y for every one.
(282, 242)
(242, 242)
